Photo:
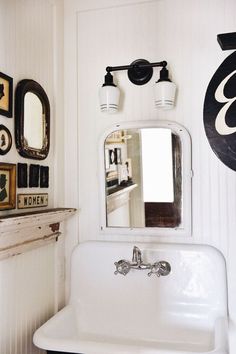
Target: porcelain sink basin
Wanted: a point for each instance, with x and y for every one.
(184, 312)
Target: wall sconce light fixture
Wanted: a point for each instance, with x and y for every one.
(139, 73)
(109, 95)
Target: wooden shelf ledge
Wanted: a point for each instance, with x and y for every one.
(119, 198)
(22, 232)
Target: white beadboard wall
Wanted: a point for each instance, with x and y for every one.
(31, 46)
(183, 32)
(26, 40)
(27, 294)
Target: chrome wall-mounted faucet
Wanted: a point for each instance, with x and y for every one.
(161, 268)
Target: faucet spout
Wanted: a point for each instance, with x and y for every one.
(137, 255)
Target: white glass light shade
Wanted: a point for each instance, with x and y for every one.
(109, 98)
(164, 92)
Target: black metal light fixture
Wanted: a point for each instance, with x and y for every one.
(140, 72)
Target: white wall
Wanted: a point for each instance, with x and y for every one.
(27, 53)
(31, 42)
(183, 32)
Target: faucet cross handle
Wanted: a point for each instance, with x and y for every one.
(122, 267)
(161, 268)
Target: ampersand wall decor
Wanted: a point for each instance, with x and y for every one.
(220, 112)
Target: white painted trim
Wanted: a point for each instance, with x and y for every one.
(71, 147)
(184, 229)
(93, 5)
(58, 102)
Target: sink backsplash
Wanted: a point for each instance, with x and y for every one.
(196, 286)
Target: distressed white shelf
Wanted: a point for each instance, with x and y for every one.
(22, 232)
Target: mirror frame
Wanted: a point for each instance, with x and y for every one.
(185, 227)
(24, 150)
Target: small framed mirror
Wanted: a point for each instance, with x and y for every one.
(32, 120)
(146, 183)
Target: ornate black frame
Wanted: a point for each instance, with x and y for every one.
(24, 150)
(4, 152)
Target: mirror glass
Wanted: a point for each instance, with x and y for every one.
(143, 178)
(33, 121)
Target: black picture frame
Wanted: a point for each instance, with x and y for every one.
(118, 159)
(5, 140)
(111, 156)
(34, 175)
(44, 176)
(6, 95)
(22, 175)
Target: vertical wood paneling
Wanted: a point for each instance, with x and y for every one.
(29, 282)
(184, 33)
(26, 42)
(27, 296)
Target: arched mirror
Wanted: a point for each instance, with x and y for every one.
(147, 178)
(32, 120)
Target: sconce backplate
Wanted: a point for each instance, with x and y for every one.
(140, 75)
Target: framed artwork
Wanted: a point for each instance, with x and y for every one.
(118, 160)
(33, 176)
(5, 140)
(128, 164)
(6, 89)
(7, 186)
(22, 175)
(111, 157)
(107, 159)
(44, 176)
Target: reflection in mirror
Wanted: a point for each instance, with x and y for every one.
(33, 122)
(143, 178)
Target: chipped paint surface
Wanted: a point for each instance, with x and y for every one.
(23, 232)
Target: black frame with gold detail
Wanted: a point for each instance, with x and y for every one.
(6, 95)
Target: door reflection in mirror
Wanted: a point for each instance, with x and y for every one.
(156, 152)
(145, 188)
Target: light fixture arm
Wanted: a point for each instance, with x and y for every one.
(137, 65)
(139, 71)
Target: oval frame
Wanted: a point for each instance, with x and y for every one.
(24, 150)
(3, 128)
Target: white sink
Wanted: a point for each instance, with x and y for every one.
(183, 312)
